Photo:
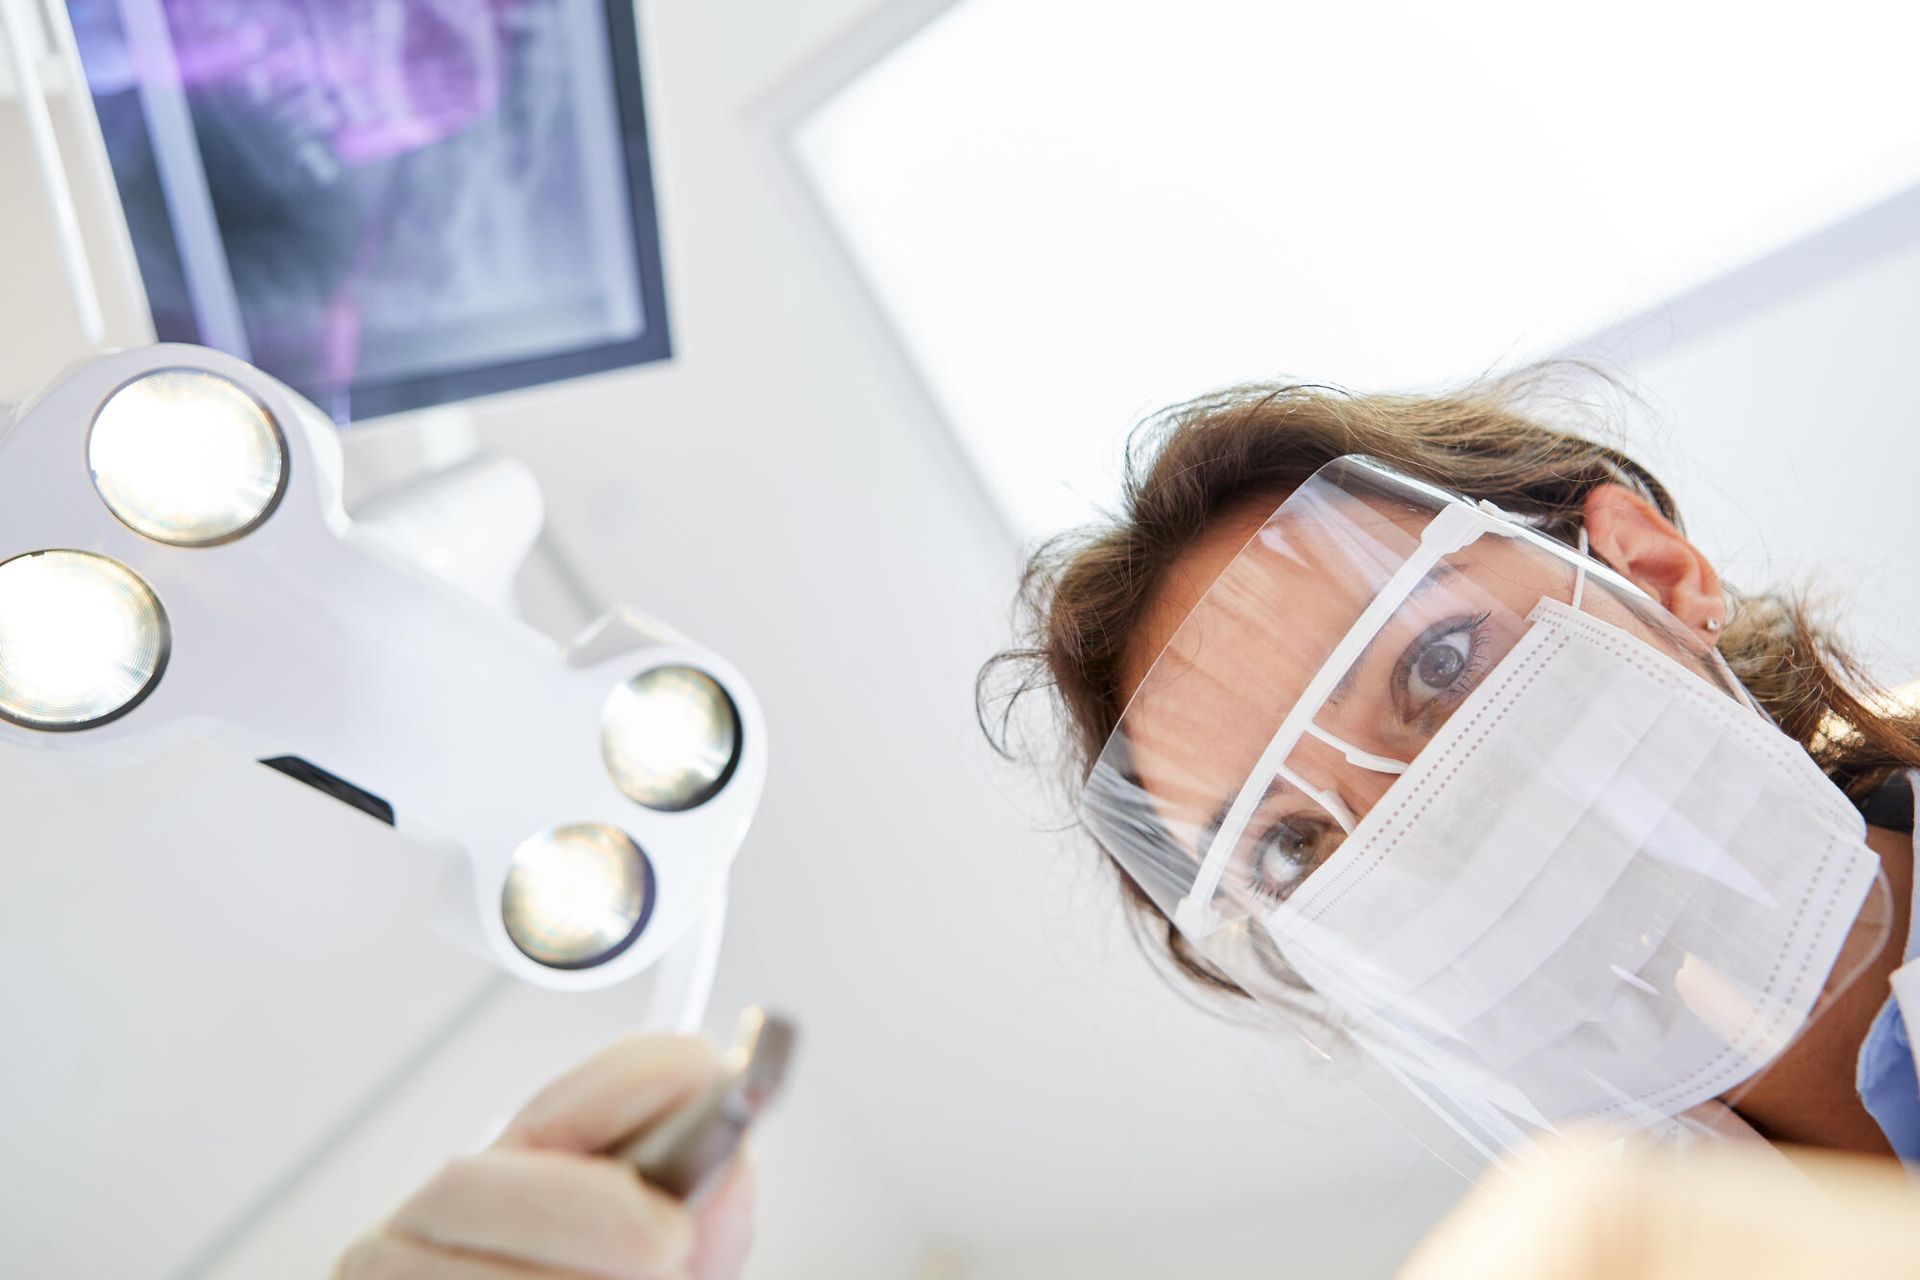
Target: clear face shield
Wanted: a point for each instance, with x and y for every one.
(1461, 794)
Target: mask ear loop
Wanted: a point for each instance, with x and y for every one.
(1728, 679)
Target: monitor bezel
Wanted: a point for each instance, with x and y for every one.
(382, 397)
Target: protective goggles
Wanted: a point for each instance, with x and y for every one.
(1462, 794)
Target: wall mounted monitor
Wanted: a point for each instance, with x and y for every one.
(388, 204)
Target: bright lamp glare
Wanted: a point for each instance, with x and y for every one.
(186, 458)
(1271, 191)
(82, 639)
(670, 737)
(576, 895)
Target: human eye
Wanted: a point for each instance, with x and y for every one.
(1439, 668)
(1287, 851)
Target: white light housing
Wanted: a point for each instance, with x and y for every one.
(82, 639)
(187, 458)
(304, 637)
(577, 895)
(670, 737)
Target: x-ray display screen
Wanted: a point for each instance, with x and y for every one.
(385, 203)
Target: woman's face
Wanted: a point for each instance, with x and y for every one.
(1241, 634)
(1248, 618)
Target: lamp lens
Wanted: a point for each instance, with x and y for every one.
(82, 639)
(187, 458)
(577, 895)
(670, 738)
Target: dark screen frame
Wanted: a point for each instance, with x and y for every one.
(379, 397)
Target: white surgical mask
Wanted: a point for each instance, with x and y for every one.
(1610, 886)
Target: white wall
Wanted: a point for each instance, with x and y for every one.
(1786, 416)
(1327, 1237)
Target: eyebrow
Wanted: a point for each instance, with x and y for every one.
(1440, 573)
(1219, 819)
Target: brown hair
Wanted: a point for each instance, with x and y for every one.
(1085, 593)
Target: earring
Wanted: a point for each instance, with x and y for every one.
(1713, 624)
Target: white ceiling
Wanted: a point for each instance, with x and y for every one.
(992, 1081)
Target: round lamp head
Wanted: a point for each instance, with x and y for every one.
(670, 738)
(187, 458)
(82, 639)
(576, 896)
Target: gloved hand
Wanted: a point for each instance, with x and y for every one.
(540, 1205)
(1597, 1210)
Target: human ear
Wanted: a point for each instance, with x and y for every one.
(1631, 536)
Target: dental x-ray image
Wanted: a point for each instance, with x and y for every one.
(386, 203)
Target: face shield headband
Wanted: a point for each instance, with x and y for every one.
(1491, 810)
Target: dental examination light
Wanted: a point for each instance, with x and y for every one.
(671, 737)
(82, 639)
(186, 458)
(175, 561)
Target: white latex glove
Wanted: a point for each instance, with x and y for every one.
(539, 1205)
(1598, 1210)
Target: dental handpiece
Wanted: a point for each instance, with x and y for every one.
(685, 1152)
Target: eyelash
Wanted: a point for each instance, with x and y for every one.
(1257, 883)
(1476, 662)
(1270, 894)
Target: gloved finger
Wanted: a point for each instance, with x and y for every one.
(388, 1257)
(1640, 1213)
(723, 1225)
(613, 1094)
(551, 1209)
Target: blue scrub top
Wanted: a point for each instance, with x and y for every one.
(1889, 1087)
